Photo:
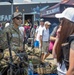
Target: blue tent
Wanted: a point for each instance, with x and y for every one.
(58, 8)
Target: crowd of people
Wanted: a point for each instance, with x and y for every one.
(60, 43)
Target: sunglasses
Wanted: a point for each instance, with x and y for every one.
(19, 18)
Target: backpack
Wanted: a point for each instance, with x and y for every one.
(66, 50)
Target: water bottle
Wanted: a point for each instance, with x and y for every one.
(30, 68)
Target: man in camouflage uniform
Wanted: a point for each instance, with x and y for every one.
(15, 38)
(0, 39)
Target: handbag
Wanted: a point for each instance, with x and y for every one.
(50, 46)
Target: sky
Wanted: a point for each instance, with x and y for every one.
(37, 0)
(32, 1)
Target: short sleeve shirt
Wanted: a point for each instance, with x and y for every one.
(54, 31)
(45, 34)
(39, 32)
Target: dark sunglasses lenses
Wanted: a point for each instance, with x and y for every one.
(19, 18)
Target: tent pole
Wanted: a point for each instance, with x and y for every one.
(11, 8)
(11, 12)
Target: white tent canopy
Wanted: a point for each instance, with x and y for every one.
(27, 0)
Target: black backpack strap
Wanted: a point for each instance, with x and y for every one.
(66, 50)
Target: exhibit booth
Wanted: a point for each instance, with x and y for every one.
(49, 14)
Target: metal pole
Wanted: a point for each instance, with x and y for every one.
(11, 8)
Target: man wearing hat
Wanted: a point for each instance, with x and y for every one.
(15, 38)
(38, 30)
(45, 37)
(14, 33)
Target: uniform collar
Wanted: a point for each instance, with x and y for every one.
(16, 29)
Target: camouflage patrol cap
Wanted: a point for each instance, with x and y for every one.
(15, 14)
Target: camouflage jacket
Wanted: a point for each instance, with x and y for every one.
(15, 38)
(1, 36)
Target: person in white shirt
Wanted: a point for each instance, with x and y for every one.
(45, 40)
(38, 30)
(22, 32)
(7, 24)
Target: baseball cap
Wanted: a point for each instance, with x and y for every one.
(41, 20)
(15, 14)
(68, 13)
